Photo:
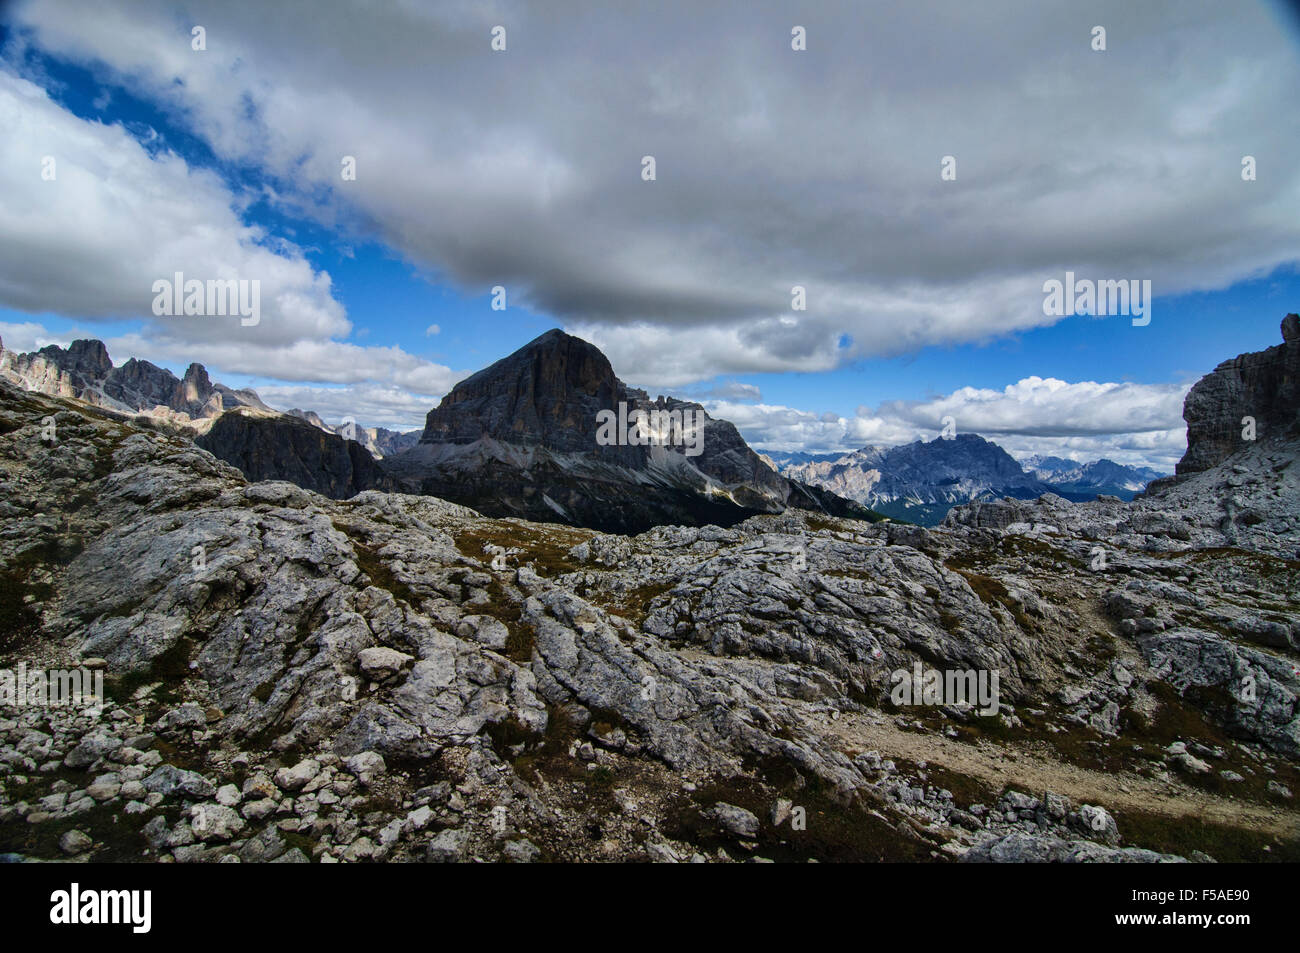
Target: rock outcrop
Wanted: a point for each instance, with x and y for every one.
(1263, 386)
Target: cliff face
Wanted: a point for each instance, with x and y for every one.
(75, 372)
(545, 394)
(291, 449)
(1264, 385)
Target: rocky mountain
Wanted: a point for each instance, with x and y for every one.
(393, 677)
(389, 443)
(84, 371)
(921, 481)
(523, 438)
(234, 425)
(785, 458)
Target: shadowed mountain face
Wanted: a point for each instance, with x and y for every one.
(289, 448)
(546, 394)
(524, 437)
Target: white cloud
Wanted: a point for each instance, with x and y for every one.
(370, 405)
(1137, 424)
(91, 242)
(1049, 407)
(307, 361)
(482, 168)
(431, 330)
(30, 336)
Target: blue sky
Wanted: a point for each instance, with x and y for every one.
(925, 304)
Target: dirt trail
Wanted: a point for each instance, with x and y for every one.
(1033, 772)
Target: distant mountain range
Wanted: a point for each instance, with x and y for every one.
(520, 438)
(1101, 476)
(84, 371)
(921, 481)
(380, 441)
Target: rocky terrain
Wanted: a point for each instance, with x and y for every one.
(396, 677)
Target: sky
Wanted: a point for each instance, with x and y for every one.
(523, 168)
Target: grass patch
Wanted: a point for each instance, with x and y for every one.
(991, 592)
(546, 549)
(633, 605)
(117, 834)
(1182, 835)
(19, 619)
(373, 565)
(835, 832)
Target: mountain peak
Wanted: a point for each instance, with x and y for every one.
(547, 393)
